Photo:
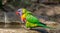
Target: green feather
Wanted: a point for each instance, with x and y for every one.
(32, 21)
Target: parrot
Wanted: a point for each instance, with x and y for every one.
(29, 19)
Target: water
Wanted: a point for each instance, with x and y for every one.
(9, 18)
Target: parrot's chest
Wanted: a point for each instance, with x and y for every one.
(23, 17)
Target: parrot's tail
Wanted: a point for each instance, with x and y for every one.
(48, 27)
(44, 26)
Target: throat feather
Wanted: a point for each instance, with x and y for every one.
(23, 17)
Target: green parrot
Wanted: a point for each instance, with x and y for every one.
(29, 19)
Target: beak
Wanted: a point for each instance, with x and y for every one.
(17, 13)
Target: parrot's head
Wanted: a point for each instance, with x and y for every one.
(21, 11)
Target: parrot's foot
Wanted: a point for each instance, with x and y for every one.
(26, 28)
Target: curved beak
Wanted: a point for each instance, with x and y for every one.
(17, 13)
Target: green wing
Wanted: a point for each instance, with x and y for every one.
(34, 22)
(33, 19)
